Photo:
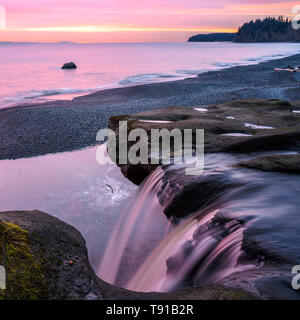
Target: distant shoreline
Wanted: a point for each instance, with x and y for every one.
(269, 29)
(59, 126)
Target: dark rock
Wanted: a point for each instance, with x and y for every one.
(137, 173)
(255, 251)
(182, 195)
(36, 249)
(282, 140)
(289, 163)
(69, 65)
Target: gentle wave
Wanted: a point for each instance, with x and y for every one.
(225, 65)
(268, 57)
(145, 78)
(37, 94)
(191, 72)
(50, 92)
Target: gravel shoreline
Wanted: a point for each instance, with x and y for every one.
(58, 126)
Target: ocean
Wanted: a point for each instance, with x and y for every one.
(31, 72)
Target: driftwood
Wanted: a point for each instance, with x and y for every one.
(290, 69)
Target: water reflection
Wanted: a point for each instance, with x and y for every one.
(71, 186)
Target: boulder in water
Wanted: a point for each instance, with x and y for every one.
(69, 65)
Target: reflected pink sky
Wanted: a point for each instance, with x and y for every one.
(111, 65)
(130, 20)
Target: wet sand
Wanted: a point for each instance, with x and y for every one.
(31, 130)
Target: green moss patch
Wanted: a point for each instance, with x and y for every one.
(24, 277)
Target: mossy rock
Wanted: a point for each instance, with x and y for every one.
(24, 276)
(261, 103)
(44, 258)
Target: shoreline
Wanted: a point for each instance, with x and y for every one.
(65, 96)
(67, 125)
(68, 97)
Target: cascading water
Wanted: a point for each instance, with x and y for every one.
(153, 272)
(144, 221)
(191, 255)
(198, 251)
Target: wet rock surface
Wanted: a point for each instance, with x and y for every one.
(289, 163)
(249, 117)
(182, 195)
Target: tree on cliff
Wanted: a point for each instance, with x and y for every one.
(269, 29)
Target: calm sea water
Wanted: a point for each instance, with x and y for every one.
(32, 71)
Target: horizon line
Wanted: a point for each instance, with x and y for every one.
(104, 42)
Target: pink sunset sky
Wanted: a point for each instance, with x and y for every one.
(129, 20)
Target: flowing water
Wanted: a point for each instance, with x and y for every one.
(142, 219)
(213, 242)
(179, 249)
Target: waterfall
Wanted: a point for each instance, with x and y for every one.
(152, 273)
(199, 250)
(143, 216)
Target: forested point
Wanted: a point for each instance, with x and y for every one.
(270, 29)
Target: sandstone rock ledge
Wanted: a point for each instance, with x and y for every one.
(289, 163)
(46, 258)
(241, 127)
